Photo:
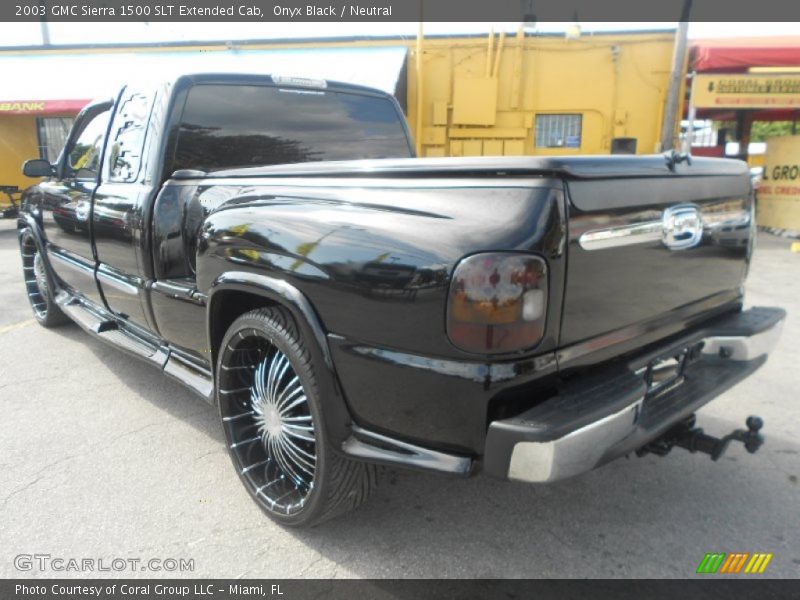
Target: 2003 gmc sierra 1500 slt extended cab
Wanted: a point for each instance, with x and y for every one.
(272, 244)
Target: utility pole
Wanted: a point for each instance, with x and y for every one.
(673, 92)
(45, 28)
(45, 33)
(420, 85)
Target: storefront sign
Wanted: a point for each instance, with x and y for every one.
(765, 90)
(779, 193)
(41, 107)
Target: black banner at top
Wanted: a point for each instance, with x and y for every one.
(530, 11)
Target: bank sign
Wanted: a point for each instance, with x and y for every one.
(764, 90)
(41, 107)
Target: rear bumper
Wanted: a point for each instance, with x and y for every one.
(619, 410)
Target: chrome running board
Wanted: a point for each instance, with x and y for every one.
(103, 325)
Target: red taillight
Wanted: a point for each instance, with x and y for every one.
(497, 302)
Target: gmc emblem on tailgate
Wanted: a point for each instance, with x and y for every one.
(682, 227)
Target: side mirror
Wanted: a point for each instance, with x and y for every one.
(37, 167)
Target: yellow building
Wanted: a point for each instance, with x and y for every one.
(18, 142)
(511, 93)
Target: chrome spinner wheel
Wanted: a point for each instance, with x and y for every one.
(40, 274)
(274, 422)
(35, 279)
(268, 422)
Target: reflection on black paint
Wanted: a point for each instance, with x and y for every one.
(243, 126)
(209, 148)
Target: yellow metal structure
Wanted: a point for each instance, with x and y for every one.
(482, 95)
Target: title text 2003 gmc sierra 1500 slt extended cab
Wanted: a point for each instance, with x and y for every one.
(272, 244)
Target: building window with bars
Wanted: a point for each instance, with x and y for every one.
(558, 131)
(52, 132)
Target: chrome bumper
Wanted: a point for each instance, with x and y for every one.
(573, 453)
(524, 448)
(744, 347)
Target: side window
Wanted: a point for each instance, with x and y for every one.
(84, 156)
(126, 139)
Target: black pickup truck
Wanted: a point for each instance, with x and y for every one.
(272, 244)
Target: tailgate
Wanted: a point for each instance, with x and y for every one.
(643, 248)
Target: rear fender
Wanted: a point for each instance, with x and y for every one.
(277, 291)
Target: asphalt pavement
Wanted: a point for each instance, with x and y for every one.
(103, 458)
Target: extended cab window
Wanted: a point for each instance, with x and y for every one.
(84, 156)
(226, 126)
(127, 135)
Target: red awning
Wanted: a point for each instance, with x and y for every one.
(736, 55)
(41, 107)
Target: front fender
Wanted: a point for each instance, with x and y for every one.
(28, 225)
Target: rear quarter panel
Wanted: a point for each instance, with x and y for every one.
(375, 260)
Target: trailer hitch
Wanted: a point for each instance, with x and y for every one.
(686, 435)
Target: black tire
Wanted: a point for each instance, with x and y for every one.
(274, 424)
(39, 285)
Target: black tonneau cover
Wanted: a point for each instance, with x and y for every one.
(571, 167)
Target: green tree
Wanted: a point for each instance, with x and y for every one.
(762, 130)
